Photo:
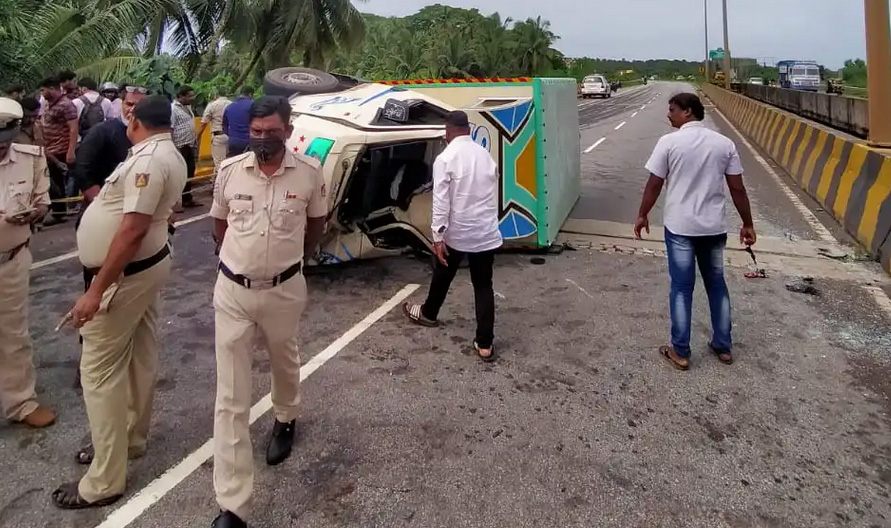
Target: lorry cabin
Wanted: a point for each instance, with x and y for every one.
(799, 75)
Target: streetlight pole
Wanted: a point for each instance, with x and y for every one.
(727, 72)
(705, 8)
(878, 67)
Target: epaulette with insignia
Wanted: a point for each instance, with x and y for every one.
(228, 162)
(33, 150)
(308, 160)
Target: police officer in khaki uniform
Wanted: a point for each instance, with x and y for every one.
(213, 117)
(123, 240)
(269, 211)
(24, 199)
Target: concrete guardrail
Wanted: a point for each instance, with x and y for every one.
(848, 114)
(851, 180)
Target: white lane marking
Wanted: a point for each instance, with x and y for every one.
(73, 254)
(644, 107)
(574, 283)
(162, 485)
(621, 125)
(595, 145)
(881, 299)
(812, 220)
(634, 114)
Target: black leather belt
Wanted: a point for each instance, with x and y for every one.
(7, 256)
(217, 133)
(138, 266)
(245, 282)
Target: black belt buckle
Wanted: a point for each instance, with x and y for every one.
(245, 282)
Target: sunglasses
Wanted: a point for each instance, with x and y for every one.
(136, 89)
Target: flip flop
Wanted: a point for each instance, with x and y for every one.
(413, 312)
(67, 497)
(665, 352)
(722, 355)
(487, 359)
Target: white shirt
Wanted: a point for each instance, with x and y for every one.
(694, 162)
(107, 107)
(465, 197)
(115, 110)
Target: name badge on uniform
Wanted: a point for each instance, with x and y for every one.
(290, 195)
(142, 179)
(242, 197)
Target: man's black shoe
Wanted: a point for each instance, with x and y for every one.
(280, 442)
(228, 520)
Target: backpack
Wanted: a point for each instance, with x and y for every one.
(91, 115)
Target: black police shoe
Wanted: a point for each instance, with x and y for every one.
(280, 442)
(228, 520)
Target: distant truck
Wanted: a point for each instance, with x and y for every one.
(799, 75)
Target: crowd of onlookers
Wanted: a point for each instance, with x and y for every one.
(64, 109)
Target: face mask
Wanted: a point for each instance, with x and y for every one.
(267, 148)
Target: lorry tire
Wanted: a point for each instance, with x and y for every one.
(291, 81)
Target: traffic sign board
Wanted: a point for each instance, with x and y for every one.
(717, 54)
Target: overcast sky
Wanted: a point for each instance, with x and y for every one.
(828, 31)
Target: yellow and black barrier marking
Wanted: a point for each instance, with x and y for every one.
(850, 180)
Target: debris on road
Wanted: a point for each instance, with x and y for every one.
(803, 285)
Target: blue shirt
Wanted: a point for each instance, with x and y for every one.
(237, 121)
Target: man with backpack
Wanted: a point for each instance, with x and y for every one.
(92, 108)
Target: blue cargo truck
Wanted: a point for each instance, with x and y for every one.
(799, 75)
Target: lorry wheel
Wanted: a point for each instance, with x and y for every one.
(290, 81)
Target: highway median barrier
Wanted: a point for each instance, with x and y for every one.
(851, 180)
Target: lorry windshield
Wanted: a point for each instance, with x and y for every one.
(809, 71)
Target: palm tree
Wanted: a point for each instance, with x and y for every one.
(534, 40)
(496, 47)
(316, 27)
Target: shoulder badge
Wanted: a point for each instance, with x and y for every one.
(228, 162)
(33, 150)
(308, 160)
(142, 179)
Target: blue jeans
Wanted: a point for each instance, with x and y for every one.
(708, 252)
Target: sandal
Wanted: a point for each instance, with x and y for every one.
(67, 497)
(724, 356)
(479, 352)
(666, 353)
(413, 312)
(85, 456)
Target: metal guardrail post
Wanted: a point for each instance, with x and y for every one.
(878, 64)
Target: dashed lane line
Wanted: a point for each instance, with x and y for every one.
(620, 125)
(635, 114)
(161, 486)
(595, 145)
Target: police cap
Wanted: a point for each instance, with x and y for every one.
(10, 118)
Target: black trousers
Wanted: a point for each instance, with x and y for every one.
(481, 268)
(57, 189)
(188, 154)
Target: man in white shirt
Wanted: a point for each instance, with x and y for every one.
(694, 162)
(90, 96)
(465, 222)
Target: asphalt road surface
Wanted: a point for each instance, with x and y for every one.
(579, 424)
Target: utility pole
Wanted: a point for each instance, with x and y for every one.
(707, 57)
(727, 72)
(878, 67)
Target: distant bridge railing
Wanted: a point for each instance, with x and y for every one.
(847, 114)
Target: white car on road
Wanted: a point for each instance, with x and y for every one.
(596, 86)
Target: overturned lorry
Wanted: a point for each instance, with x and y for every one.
(377, 143)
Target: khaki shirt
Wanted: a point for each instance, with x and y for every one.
(149, 181)
(24, 183)
(213, 114)
(266, 215)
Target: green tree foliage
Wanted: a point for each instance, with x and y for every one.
(854, 73)
(449, 42)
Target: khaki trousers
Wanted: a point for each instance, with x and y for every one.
(218, 145)
(242, 315)
(118, 369)
(17, 376)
